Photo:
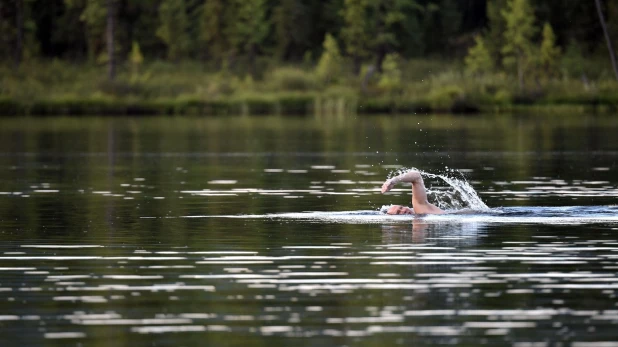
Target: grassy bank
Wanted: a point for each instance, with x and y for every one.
(50, 88)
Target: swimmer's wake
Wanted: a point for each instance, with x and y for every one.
(457, 203)
(571, 215)
(458, 195)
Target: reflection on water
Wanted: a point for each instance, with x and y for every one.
(419, 279)
(164, 232)
(422, 231)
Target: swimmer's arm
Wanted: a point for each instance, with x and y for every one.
(419, 194)
(414, 177)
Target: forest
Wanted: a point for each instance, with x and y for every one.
(301, 56)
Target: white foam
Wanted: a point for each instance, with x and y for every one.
(515, 215)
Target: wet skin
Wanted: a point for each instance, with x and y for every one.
(398, 209)
(419, 195)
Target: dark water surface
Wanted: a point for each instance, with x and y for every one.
(256, 231)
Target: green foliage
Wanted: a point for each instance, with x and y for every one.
(380, 26)
(550, 53)
(136, 56)
(479, 61)
(434, 19)
(237, 42)
(355, 33)
(497, 27)
(137, 59)
(390, 79)
(250, 26)
(165, 87)
(173, 28)
(607, 88)
(140, 25)
(212, 29)
(241, 31)
(292, 27)
(445, 97)
(413, 38)
(520, 30)
(329, 66)
(291, 79)
(391, 16)
(93, 15)
(573, 62)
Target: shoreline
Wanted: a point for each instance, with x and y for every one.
(299, 105)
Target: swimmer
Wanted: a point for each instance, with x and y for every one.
(420, 205)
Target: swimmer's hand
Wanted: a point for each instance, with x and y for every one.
(388, 185)
(411, 176)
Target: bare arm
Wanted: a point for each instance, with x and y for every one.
(419, 194)
(414, 177)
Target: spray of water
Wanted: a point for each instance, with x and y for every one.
(458, 194)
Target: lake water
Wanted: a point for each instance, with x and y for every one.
(256, 231)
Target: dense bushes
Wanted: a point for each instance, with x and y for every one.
(190, 88)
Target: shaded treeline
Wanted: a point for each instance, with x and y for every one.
(288, 30)
(299, 56)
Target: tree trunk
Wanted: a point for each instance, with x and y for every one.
(19, 46)
(111, 26)
(607, 39)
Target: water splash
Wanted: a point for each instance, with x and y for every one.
(458, 195)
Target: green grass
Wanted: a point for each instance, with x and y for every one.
(59, 87)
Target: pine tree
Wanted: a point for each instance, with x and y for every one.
(355, 33)
(212, 29)
(249, 27)
(479, 60)
(550, 53)
(518, 35)
(496, 28)
(329, 66)
(136, 59)
(173, 28)
(390, 17)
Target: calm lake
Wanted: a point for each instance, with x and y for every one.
(266, 231)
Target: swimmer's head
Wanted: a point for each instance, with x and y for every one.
(398, 209)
